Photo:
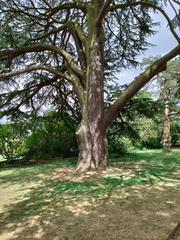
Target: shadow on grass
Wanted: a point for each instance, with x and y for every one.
(40, 197)
(53, 205)
(154, 166)
(30, 173)
(157, 157)
(51, 208)
(156, 162)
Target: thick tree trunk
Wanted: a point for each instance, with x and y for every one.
(91, 133)
(166, 129)
(93, 150)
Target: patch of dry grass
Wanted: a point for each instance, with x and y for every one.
(129, 202)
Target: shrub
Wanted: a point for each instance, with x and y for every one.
(51, 139)
(12, 141)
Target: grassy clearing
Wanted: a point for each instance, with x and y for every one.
(137, 198)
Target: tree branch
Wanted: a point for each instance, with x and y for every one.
(54, 31)
(79, 44)
(68, 6)
(34, 68)
(139, 82)
(103, 11)
(11, 54)
(174, 114)
(31, 92)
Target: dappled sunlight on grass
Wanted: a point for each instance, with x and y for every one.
(136, 198)
(34, 172)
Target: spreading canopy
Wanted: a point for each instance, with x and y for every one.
(44, 49)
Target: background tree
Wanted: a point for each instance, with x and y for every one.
(141, 129)
(169, 81)
(75, 47)
(167, 88)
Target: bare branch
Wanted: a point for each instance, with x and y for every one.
(177, 14)
(176, 1)
(54, 31)
(174, 114)
(78, 88)
(31, 92)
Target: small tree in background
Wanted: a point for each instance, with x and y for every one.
(167, 85)
(169, 81)
(143, 128)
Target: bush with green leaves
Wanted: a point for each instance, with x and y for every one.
(12, 141)
(175, 133)
(51, 138)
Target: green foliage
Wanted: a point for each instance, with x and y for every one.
(170, 81)
(12, 141)
(175, 133)
(168, 88)
(38, 138)
(120, 144)
(51, 138)
(150, 131)
(138, 126)
(10, 35)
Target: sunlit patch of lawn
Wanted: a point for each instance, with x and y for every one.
(52, 197)
(31, 173)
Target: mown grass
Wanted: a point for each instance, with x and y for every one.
(154, 162)
(152, 165)
(40, 189)
(31, 173)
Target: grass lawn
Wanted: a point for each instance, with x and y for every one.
(136, 198)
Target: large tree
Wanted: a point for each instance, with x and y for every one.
(54, 45)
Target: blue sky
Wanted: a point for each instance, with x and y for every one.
(164, 41)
